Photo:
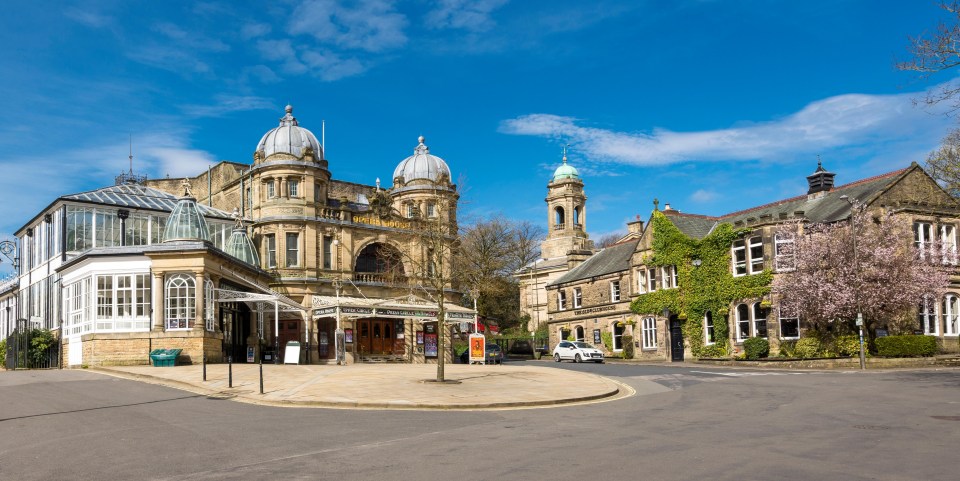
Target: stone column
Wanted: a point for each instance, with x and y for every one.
(199, 324)
(158, 310)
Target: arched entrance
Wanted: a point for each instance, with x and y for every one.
(379, 262)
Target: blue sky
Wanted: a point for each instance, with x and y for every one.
(712, 106)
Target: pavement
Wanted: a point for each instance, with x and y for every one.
(384, 386)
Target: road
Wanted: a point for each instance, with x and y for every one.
(684, 423)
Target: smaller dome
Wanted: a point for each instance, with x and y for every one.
(289, 138)
(422, 165)
(240, 246)
(565, 171)
(186, 222)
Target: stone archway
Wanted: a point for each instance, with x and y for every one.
(380, 262)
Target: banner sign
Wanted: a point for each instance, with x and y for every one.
(326, 311)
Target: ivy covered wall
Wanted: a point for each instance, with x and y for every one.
(708, 287)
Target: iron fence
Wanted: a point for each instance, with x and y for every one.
(28, 347)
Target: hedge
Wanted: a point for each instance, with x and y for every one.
(906, 346)
(756, 348)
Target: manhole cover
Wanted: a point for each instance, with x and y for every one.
(947, 418)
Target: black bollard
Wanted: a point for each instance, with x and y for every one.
(261, 375)
(230, 371)
(204, 367)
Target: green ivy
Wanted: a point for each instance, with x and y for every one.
(607, 338)
(709, 287)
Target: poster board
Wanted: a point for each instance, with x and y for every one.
(291, 353)
(477, 348)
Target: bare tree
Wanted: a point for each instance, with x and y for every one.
(943, 164)
(938, 52)
(608, 240)
(527, 237)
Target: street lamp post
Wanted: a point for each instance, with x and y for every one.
(856, 269)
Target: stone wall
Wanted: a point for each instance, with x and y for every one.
(123, 349)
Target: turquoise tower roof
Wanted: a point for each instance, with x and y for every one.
(565, 171)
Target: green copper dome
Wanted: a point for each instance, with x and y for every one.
(565, 171)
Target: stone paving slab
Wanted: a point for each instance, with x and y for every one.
(384, 386)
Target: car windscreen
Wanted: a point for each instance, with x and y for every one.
(583, 345)
(493, 347)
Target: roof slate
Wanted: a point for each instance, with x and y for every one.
(612, 259)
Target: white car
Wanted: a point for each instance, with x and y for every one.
(577, 351)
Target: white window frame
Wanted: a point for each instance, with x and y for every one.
(950, 313)
(617, 338)
(271, 189)
(781, 318)
(738, 256)
(948, 241)
(922, 235)
(561, 300)
(785, 252)
(742, 321)
(668, 277)
(709, 332)
(614, 291)
(270, 250)
(292, 252)
(652, 279)
(755, 258)
(641, 280)
(293, 187)
(577, 298)
(209, 304)
(756, 311)
(179, 302)
(649, 332)
(928, 316)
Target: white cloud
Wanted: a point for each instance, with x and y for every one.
(369, 25)
(473, 15)
(831, 123)
(253, 30)
(704, 196)
(226, 104)
(88, 18)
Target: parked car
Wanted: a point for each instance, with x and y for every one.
(493, 353)
(577, 351)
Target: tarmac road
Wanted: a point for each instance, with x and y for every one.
(711, 423)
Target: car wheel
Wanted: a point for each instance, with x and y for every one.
(556, 357)
(577, 358)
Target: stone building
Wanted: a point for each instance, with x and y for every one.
(580, 303)
(244, 258)
(565, 246)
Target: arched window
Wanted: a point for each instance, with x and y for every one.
(580, 333)
(209, 304)
(576, 216)
(951, 313)
(743, 322)
(927, 315)
(559, 217)
(180, 301)
(708, 335)
(381, 259)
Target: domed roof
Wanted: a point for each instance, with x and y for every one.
(186, 222)
(289, 138)
(422, 165)
(565, 171)
(239, 245)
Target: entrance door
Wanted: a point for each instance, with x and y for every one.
(289, 331)
(676, 340)
(376, 336)
(325, 332)
(235, 326)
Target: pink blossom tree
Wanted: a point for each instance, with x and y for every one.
(824, 283)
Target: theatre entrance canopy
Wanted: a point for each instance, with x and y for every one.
(407, 307)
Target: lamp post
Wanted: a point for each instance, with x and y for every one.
(855, 204)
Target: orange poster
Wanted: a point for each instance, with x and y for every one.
(477, 344)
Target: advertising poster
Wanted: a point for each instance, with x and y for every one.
(348, 335)
(430, 344)
(596, 337)
(477, 348)
(419, 338)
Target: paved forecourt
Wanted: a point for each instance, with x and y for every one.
(384, 386)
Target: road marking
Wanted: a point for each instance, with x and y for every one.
(745, 374)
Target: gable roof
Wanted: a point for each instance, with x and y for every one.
(612, 259)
